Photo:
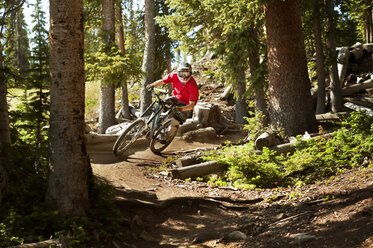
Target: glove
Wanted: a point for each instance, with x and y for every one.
(149, 87)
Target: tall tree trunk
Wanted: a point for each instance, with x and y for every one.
(320, 107)
(22, 61)
(336, 101)
(120, 40)
(289, 86)
(107, 89)
(370, 20)
(70, 171)
(149, 55)
(241, 105)
(5, 159)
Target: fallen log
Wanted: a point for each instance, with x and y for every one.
(357, 87)
(60, 243)
(356, 107)
(330, 116)
(197, 170)
(104, 146)
(93, 138)
(188, 160)
(118, 128)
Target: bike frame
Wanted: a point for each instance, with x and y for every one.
(157, 107)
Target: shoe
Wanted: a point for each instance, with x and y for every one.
(180, 117)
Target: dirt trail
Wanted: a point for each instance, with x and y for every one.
(158, 211)
(129, 174)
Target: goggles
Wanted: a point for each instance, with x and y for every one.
(184, 74)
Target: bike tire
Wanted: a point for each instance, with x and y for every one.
(156, 146)
(128, 137)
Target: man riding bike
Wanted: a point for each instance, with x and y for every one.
(185, 90)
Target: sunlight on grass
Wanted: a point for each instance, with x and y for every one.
(92, 96)
(14, 95)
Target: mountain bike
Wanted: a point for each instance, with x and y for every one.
(156, 123)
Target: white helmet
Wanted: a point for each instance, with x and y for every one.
(184, 72)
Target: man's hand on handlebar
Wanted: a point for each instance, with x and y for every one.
(149, 87)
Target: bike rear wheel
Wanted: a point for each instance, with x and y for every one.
(128, 137)
(163, 136)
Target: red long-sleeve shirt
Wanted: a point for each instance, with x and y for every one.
(183, 92)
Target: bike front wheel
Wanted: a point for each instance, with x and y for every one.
(128, 137)
(163, 136)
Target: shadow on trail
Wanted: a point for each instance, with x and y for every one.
(304, 218)
(188, 221)
(178, 221)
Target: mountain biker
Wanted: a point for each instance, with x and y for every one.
(185, 90)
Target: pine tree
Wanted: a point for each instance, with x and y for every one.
(16, 48)
(39, 81)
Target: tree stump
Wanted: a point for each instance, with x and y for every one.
(210, 115)
(189, 125)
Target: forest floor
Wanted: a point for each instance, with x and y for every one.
(159, 211)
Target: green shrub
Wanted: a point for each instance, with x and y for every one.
(312, 160)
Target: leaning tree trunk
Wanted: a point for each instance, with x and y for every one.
(68, 182)
(107, 89)
(336, 100)
(290, 103)
(149, 55)
(320, 107)
(120, 39)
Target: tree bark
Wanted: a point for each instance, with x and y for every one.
(70, 171)
(290, 102)
(320, 58)
(149, 55)
(5, 155)
(241, 106)
(4, 134)
(107, 89)
(336, 100)
(120, 39)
